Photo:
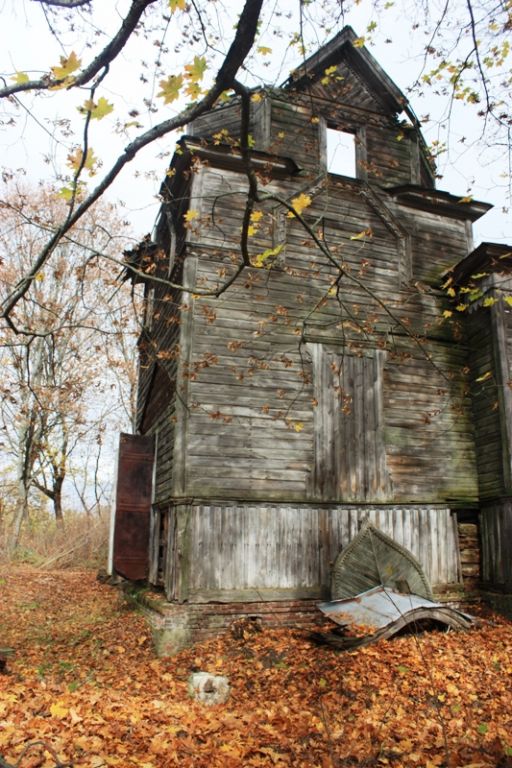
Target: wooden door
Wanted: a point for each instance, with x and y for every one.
(133, 506)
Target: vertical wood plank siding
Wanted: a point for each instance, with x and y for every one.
(350, 458)
(496, 531)
(485, 401)
(245, 551)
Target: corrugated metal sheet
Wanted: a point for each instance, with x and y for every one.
(382, 612)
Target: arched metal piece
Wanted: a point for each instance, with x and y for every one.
(373, 559)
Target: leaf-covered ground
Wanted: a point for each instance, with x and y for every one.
(84, 681)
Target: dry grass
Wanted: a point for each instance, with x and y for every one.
(82, 542)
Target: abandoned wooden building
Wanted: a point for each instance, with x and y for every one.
(305, 363)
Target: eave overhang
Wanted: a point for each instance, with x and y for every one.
(225, 157)
(437, 201)
(486, 258)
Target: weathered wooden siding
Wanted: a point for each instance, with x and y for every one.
(485, 404)
(244, 551)
(348, 425)
(437, 243)
(250, 382)
(293, 134)
(496, 531)
(224, 118)
(346, 89)
(222, 125)
(302, 401)
(429, 434)
(391, 156)
(386, 155)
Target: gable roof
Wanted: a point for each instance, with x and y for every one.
(345, 47)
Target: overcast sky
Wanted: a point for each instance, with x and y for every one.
(40, 150)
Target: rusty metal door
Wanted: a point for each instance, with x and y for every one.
(133, 506)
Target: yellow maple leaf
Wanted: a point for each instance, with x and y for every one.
(251, 230)
(20, 77)
(170, 88)
(193, 91)
(98, 110)
(447, 313)
(300, 203)
(508, 300)
(57, 709)
(364, 233)
(256, 97)
(196, 70)
(298, 426)
(329, 72)
(265, 259)
(256, 216)
(71, 191)
(76, 161)
(190, 216)
(177, 5)
(264, 50)
(65, 83)
(67, 65)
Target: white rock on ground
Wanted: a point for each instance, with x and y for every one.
(210, 689)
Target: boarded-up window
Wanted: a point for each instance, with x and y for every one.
(349, 449)
(133, 506)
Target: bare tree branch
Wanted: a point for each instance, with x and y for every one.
(239, 49)
(64, 3)
(105, 57)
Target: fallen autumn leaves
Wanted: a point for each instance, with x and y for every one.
(84, 680)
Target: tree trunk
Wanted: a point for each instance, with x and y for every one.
(57, 500)
(20, 515)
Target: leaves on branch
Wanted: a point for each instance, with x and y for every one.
(68, 65)
(299, 203)
(266, 258)
(190, 216)
(170, 88)
(196, 70)
(71, 191)
(97, 109)
(76, 161)
(20, 77)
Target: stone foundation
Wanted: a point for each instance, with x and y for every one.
(176, 626)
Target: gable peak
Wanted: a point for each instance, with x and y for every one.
(346, 47)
